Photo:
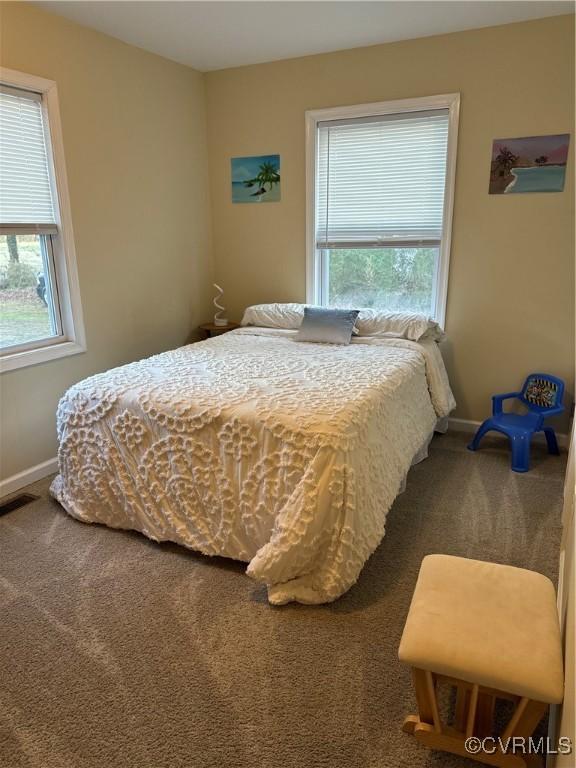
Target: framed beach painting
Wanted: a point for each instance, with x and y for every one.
(256, 179)
(529, 164)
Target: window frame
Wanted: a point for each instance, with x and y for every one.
(67, 300)
(316, 275)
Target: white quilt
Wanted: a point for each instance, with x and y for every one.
(282, 454)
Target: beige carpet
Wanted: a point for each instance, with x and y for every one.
(115, 651)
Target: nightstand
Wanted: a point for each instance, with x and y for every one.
(209, 330)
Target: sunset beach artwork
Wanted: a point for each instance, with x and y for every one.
(256, 179)
(530, 164)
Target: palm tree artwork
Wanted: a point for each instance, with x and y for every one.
(256, 179)
(528, 164)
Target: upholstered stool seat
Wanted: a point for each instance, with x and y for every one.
(493, 632)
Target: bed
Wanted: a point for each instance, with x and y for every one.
(253, 446)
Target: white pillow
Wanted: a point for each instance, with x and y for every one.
(404, 325)
(274, 315)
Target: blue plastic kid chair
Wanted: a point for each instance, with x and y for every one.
(542, 395)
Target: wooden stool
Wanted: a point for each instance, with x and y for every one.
(491, 631)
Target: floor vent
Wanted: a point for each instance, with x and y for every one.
(17, 502)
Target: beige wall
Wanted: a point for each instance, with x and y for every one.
(510, 300)
(135, 146)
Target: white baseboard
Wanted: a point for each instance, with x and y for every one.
(31, 475)
(469, 426)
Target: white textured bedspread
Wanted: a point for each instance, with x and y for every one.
(279, 453)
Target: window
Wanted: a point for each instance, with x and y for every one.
(380, 192)
(40, 312)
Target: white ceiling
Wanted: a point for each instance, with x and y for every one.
(220, 34)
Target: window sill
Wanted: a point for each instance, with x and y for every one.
(11, 362)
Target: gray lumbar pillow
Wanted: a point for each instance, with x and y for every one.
(327, 326)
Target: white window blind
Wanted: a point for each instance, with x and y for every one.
(380, 180)
(26, 204)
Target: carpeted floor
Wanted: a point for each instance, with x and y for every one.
(118, 652)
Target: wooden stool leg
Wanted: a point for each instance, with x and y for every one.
(426, 697)
(426, 700)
